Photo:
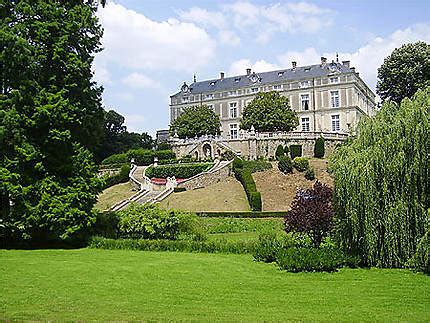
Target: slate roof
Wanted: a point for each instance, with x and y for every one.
(241, 81)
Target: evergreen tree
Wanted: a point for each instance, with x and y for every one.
(50, 118)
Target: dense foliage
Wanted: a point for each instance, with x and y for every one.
(279, 152)
(406, 70)
(311, 213)
(301, 163)
(295, 151)
(269, 111)
(177, 170)
(121, 177)
(310, 174)
(244, 176)
(140, 156)
(50, 119)
(382, 184)
(285, 164)
(150, 222)
(196, 121)
(319, 149)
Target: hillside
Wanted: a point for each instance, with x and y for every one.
(278, 190)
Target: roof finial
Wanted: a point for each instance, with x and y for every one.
(194, 78)
(337, 57)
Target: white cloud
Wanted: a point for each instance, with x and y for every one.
(140, 81)
(367, 59)
(135, 41)
(204, 17)
(239, 67)
(228, 37)
(134, 122)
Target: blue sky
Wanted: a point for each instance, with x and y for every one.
(152, 47)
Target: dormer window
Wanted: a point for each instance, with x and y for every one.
(307, 69)
(213, 83)
(237, 80)
(277, 87)
(280, 74)
(304, 84)
(254, 78)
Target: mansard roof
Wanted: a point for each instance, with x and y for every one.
(257, 79)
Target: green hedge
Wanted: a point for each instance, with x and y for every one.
(121, 177)
(319, 149)
(247, 214)
(244, 176)
(178, 170)
(279, 152)
(213, 246)
(116, 159)
(295, 151)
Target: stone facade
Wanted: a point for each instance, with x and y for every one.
(206, 179)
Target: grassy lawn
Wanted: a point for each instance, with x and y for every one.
(224, 196)
(131, 285)
(114, 194)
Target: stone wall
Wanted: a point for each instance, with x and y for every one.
(207, 179)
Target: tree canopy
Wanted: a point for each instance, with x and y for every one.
(403, 72)
(381, 180)
(51, 118)
(196, 121)
(269, 112)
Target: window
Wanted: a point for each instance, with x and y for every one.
(334, 80)
(307, 69)
(233, 110)
(334, 99)
(213, 83)
(335, 122)
(305, 124)
(277, 87)
(185, 99)
(280, 74)
(233, 131)
(304, 84)
(209, 96)
(304, 98)
(237, 80)
(254, 90)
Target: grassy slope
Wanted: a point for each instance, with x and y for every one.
(114, 194)
(224, 196)
(130, 285)
(278, 189)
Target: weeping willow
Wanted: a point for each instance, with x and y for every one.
(381, 191)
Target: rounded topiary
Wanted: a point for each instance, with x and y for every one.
(319, 149)
(279, 152)
(285, 165)
(310, 174)
(301, 163)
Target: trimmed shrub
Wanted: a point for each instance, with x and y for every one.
(237, 163)
(177, 170)
(256, 165)
(164, 155)
(319, 149)
(279, 152)
(301, 163)
(142, 157)
(285, 165)
(246, 214)
(223, 246)
(310, 259)
(310, 174)
(295, 151)
(121, 177)
(168, 161)
(255, 201)
(150, 222)
(116, 159)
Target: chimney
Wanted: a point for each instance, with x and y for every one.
(221, 75)
(345, 63)
(248, 71)
(323, 61)
(353, 69)
(294, 65)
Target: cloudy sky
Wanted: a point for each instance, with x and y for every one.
(151, 47)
